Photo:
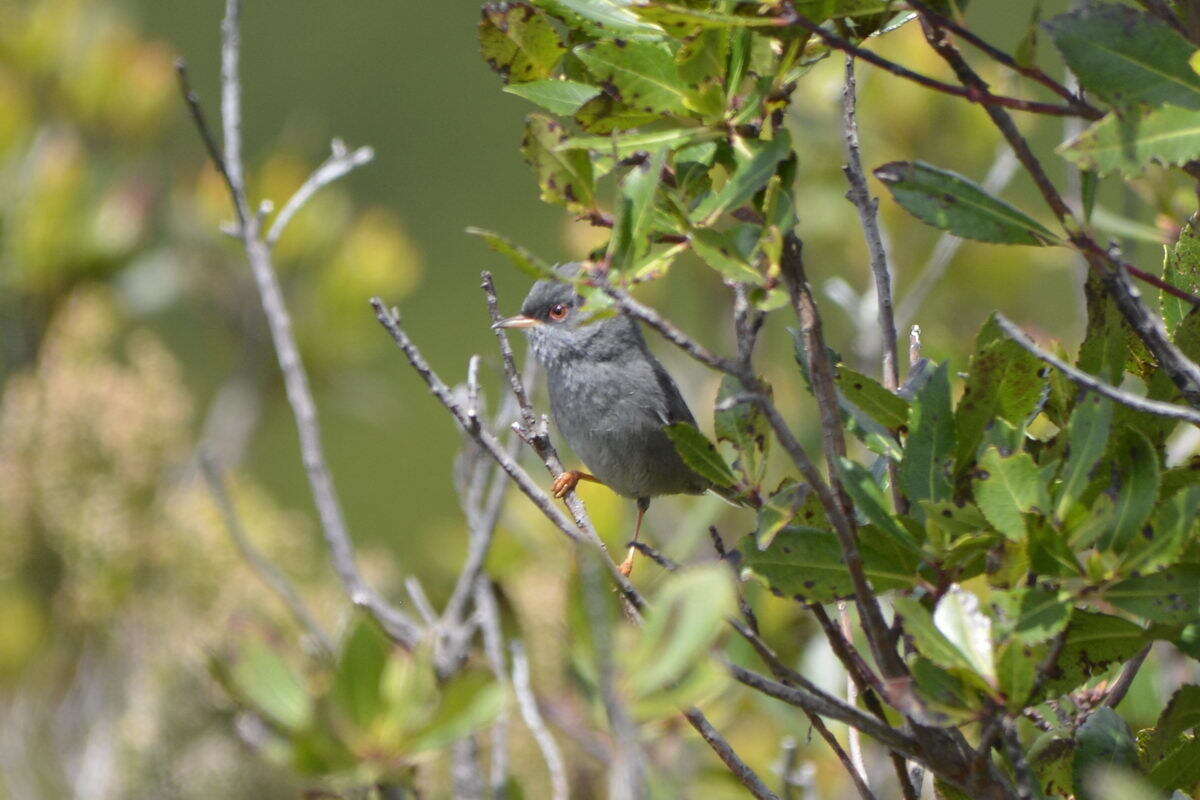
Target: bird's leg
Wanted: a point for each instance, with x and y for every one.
(567, 481)
(627, 565)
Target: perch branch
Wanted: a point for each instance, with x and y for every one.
(340, 163)
(333, 525)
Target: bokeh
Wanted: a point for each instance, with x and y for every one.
(131, 337)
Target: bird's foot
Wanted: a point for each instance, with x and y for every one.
(568, 480)
(626, 566)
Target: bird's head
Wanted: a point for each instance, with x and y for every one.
(552, 317)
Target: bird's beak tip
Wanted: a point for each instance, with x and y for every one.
(520, 321)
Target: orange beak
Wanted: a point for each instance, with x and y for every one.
(519, 321)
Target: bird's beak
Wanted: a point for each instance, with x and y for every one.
(519, 321)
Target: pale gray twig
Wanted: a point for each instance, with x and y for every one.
(740, 769)
(271, 575)
(1096, 385)
(527, 702)
(333, 524)
(341, 161)
(493, 646)
(416, 593)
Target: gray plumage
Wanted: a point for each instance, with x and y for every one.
(610, 397)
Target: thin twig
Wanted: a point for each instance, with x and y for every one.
(868, 207)
(1031, 71)
(1120, 687)
(983, 97)
(333, 524)
(340, 163)
(271, 575)
(855, 770)
(726, 753)
(1096, 385)
(391, 322)
(791, 755)
(654, 555)
(854, 738)
(527, 702)
(493, 647)
(670, 332)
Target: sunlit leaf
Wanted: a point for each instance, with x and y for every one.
(559, 96)
(751, 175)
(1181, 268)
(1087, 438)
(887, 408)
(268, 684)
(518, 256)
(1128, 142)
(700, 454)
(519, 42)
(950, 202)
(356, 691)
(642, 75)
(924, 472)
(932, 643)
(718, 250)
(604, 17)
(1170, 596)
(745, 426)
(1007, 488)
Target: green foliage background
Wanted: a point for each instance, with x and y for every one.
(123, 312)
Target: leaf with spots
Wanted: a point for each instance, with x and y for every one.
(1103, 351)
(950, 202)
(1162, 542)
(1181, 268)
(519, 42)
(1004, 381)
(700, 454)
(1136, 464)
(718, 250)
(751, 175)
(1008, 488)
(1051, 757)
(739, 420)
(1126, 56)
(791, 502)
(642, 75)
(1181, 714)
(564, 176)
(1179, 768)
(924, 471)
(869, 500)
(1087, 439)
(1017, 669)
(605, 18)
(1128, 142)
(807, 564)
(1093, 643)
(887, 408)
(1171, 596)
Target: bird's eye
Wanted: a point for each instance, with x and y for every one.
(558, 311)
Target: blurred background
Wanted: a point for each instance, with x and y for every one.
(130, 334)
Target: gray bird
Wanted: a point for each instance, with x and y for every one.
(609, 396)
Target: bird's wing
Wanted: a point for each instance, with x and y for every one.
(675, 408)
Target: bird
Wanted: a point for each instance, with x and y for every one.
(610, 398)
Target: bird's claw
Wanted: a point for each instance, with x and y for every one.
(564, 483)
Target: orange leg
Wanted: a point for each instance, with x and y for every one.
(567, 481)
(627, 565)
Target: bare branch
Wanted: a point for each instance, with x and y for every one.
(855, 770)
(333, 525)
(527, 702)
(868, 207)
(670, 332)
(271, 575)
(740, 769)
(1096, 385)
(654, 555)
(493, 646)
(340, 163)
(416, 593)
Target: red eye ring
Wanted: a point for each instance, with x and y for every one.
(558, 311)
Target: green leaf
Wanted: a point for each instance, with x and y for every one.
(1126, 56)
(623, 145)
(1094, 642)
(1087, 439)
(559, 96)
(1051, 757)
(888, 409)
(1179, 768)
(1103, 351)
(1170, 596)
(719, 252)
(1181, 268)
(564, 176)
(519, 42)
(265, 681)
(470, 701)
(1163, 541)
(1004, 382)
(932, 642)
(950, 202)
(924, 472)
(700, 454)
(604, 17)
(1041, 614)
(751, 175)
(744, 425)
(642, 74)
(685, 619)
(792, 501)
(630, 239)
(828, 9)
(807, 564)
(356, 684)
(520, 258)
(604, 114)
(1103, 740)
(868, 499)
(1007, 489)
(1017, 666)
(677, 15)
(1137, 463)
(1181, 714)
(1129, 142)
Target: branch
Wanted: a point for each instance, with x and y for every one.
(1032, 72)
(1121, 686)
(493, 646)
(340, 162)
(527, 702)
(739, 768)
(669, 331)
(333, 524)
(868, 208)
(391, 322)
(1136, 402)
(983, 97)
(271, 575)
